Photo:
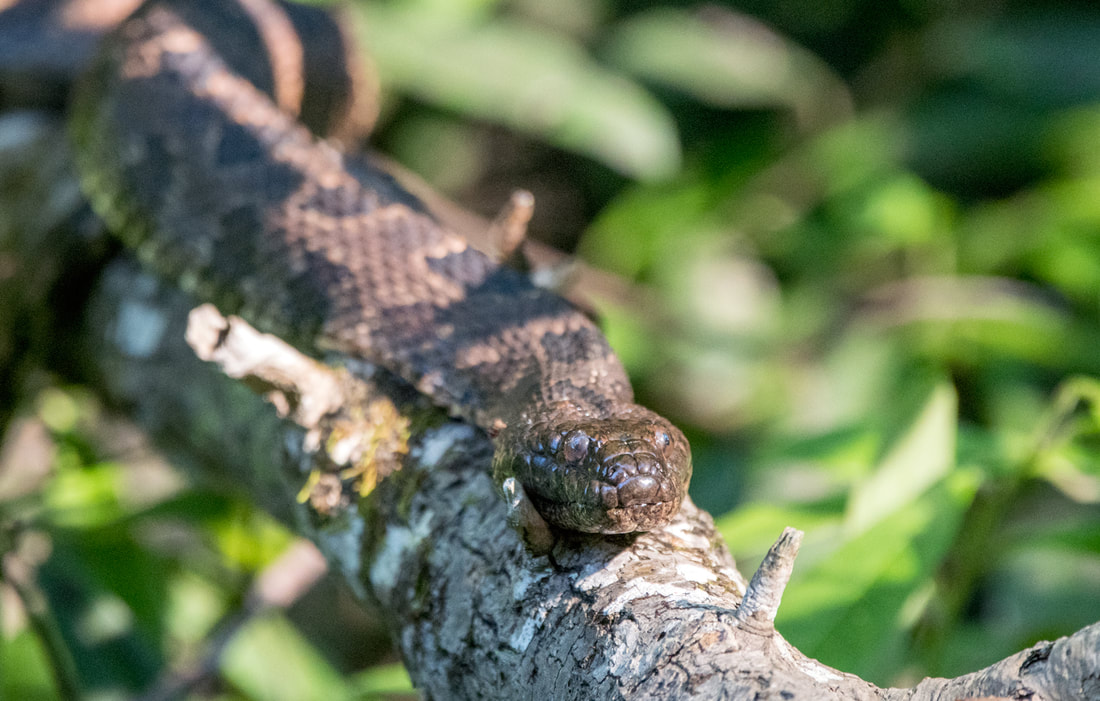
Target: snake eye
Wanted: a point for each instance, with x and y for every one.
(662, 439)
(576, 446)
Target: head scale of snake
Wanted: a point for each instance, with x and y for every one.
(621, 474)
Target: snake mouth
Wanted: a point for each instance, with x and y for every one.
(639, 502)
(640, 517)
(634, 518)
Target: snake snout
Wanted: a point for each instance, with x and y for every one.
(638, 476)
(638, 490)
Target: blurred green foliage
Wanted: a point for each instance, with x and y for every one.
(859, 253)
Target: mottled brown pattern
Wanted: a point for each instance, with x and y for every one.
(284, 53)
(191, 161)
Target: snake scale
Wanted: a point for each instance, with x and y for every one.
(192, 148)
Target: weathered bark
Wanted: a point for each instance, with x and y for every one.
(474, 611)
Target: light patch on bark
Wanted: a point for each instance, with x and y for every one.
(397, 542)
(140, 328)
(343, 548)
(437, 442)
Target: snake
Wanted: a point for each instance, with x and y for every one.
(194, 145)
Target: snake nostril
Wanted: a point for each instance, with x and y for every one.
(640, 489)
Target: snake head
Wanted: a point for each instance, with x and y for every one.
(623, 474)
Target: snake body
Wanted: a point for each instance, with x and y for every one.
(194, 155)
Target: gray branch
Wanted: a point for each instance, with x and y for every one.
(474, 612)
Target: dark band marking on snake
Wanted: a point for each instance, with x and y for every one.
(184, 153)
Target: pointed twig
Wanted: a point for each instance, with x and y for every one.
(761, 601)
(509, 229)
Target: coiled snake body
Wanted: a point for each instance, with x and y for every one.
(191, 153)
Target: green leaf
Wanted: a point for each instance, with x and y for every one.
(270, 660)
(853, 608)
(382, 682)
(527, 78)
(1034, 593)
(24, 670)
(920, 458)
(84, 496)
(250, 538)
(753, 528)
(728, 60)
(645, 225)
(106, 594)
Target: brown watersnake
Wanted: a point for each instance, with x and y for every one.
(190, 146)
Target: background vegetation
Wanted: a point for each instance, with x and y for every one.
(855, 250)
